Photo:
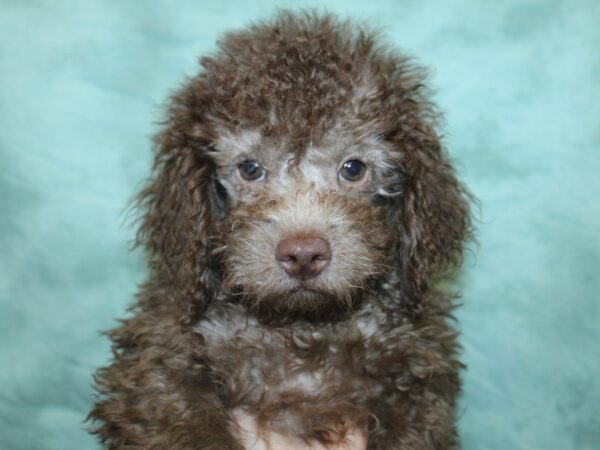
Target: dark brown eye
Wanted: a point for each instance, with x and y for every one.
(252, 171)
(353, 171)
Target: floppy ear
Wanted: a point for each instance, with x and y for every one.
(178, 208)
(434, 216)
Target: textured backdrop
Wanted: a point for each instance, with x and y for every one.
(81, 87)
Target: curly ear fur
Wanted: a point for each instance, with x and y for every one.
(430, 205)
(179, 205)
(435, 216)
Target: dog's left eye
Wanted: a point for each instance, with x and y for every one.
(252, 171)
(353, 171)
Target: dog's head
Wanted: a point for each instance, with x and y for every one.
(301, 168)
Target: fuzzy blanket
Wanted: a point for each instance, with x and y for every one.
(81, 87)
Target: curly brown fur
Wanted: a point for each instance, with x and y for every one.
(219, 328)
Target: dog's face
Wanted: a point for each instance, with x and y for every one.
(300, 169)
(303, 231)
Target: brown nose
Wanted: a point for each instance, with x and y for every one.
(303, 257)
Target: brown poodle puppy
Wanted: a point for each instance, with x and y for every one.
(301, 211)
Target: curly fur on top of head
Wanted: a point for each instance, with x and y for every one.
(219, 326)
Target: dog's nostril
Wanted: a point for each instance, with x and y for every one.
(303, 257)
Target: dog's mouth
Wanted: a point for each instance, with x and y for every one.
(309, 296)
(305, 290)
(304, 300)
(308, 286)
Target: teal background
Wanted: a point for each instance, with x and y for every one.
(81, 88)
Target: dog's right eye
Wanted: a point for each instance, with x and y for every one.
(252, 171)
(353, 171)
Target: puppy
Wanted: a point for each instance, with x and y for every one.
(300, 212)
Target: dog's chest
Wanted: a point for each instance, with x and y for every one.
(263, 365)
